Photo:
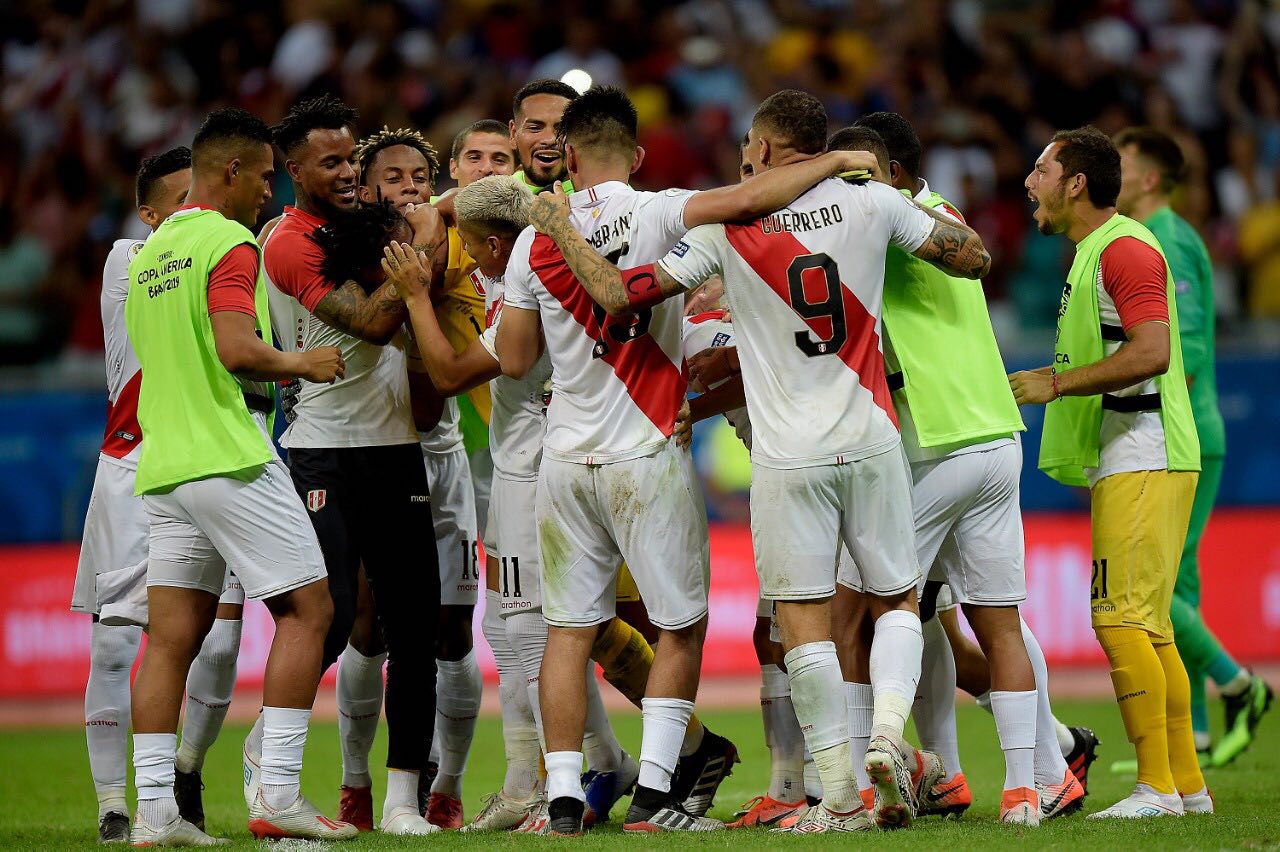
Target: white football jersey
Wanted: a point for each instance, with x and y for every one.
(703, 332)
(446, 437)
(617, 382)
(369, 406)
(805, 286)
(122, 438)
(518, 419)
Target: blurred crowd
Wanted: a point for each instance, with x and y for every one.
(88, 87)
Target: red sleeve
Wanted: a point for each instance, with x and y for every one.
(292, 261)
(232, 282)
(1133, 274)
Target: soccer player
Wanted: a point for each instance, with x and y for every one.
(111, 575)
(480, 150)
(215, 490)
(536, 112)
(354, 458)
(831, 446)
(612, 483)
(1118, 420)
(400, 167)
(1151, 167)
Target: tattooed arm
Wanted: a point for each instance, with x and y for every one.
(374, 317)
(954, 247)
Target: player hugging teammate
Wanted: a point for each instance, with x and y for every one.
(533, 310)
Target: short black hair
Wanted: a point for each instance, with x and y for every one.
(226, 127)
(1088, 151)
(368, 149)
(156, 167)
(545, 86)
(797, 118)
(323, 113)
(1161, 149)
(602, 116)
(484, 125)
(352, 242)
(858, 138)
(899, 138)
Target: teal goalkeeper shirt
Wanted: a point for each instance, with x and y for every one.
(1193, 285)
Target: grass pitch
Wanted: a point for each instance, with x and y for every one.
(47, 799)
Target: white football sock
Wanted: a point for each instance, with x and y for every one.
(527, 633)
(782, 735)
(665, 720)
(153, 759)
(1066, 742)
(106, 712)
(458, 689)
(284, 736)
(254, 740)
(935, 706)
(402, 790)
(564, 775)
(896, 650)
(861, 703)
(1015, 714)
(209, 686)
(818, 694)
(692, 737)
(359, 690)
(1051, 768)
(599, 744)
(519, 730)
(812, 783)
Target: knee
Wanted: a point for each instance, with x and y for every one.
(114, 649)
(366, 637)
(453, 641)
(690, 637)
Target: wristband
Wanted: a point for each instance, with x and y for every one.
(1057, 394)
(641, 286)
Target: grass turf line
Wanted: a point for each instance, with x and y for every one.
(47, 799)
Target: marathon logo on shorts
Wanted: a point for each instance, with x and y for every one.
(316, 499)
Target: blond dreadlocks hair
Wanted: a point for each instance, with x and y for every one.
(368, 148)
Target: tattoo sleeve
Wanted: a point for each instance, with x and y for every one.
(954, 247)
(373, 318)
(604, 282)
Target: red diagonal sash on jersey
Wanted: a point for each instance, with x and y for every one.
(123, 432)
(770, 255)
(655, 385)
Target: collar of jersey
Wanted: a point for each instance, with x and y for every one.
(924, 192)
(596, 194)
(307, 218)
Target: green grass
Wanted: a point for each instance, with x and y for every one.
(47, 800)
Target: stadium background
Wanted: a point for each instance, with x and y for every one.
(90, 87)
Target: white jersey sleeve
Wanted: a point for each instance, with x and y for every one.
(518, 281)
(122, 439)
(706, 331)
(697, 256)
(909, 226)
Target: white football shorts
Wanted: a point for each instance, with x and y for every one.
(453, 510)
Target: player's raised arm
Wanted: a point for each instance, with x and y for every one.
(954, 247)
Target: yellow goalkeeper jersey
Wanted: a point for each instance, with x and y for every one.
(461, 312)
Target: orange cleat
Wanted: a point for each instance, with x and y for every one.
(1061, 799)
(948, 798)
(355, 806)
(764, 811)
(1020, 806)
(444, 811)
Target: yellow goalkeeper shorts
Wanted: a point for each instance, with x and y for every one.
(1139, 525)
(626, 591)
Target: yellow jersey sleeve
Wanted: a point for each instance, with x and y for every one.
(461, 312)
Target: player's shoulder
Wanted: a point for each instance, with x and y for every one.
(122, 252)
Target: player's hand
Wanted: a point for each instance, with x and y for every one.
(323, 365)
(445, 206)
(406, 269)
(856, 161)
(712, 366)
(684, 426)
(549, 209)
(424, 219)
(1032, 387)
(706, 298)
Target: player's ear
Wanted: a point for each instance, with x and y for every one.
(453, 168)
(232, 172)
(364, 193)
(148, 216)
(637, 160)
(293, 168)
(494, 243)
(511, 132)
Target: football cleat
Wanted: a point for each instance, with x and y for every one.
(252, 768)
(1062, 799)
(355, 806)
(113, 828)
(177, 832)
(300, 820)
(699, 776)
(819, 820)
(565, 817)
(668, 818)
(538, 821)
(1143, 803)
(501, 813)
(444, 812)
(1020, 807)
(1199, 802)
(1243, 713)
(895, 792)
(604, 789)
(765, 811)
(1083, 753)
(404, 820)
(187, 789)
(949, 798)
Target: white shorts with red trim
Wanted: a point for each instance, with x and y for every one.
(648, 512)
(800, 517)
(453, 510)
